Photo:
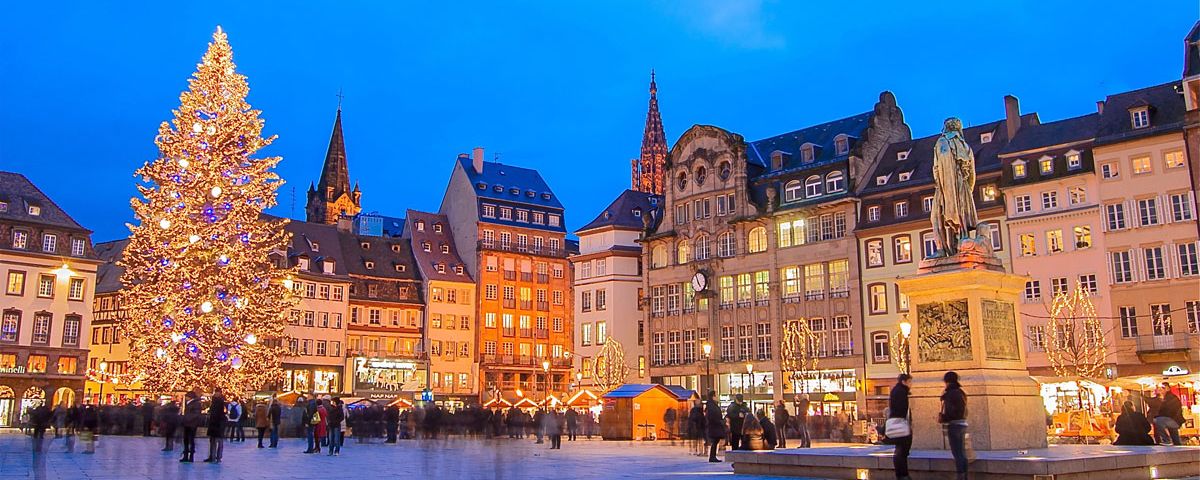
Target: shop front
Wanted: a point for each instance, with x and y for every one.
(386, 378)
(312, 380)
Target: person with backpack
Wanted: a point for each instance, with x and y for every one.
(234, 417)
(310, 427)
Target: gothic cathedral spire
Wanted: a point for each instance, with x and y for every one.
(333, 196)
(649, 171)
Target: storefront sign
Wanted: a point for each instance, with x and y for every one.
(20, 369)
(1175, 371)
(382, 375)
(999, 331)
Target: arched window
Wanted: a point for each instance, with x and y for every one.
(658, 256)
(682, 182)
(701, 251)
(701, 175)
(757, 240)
(835, 182)
(812, 186)
(793, 191)
(683, 252)
(725, 170)
(726, 245)
(881, 347)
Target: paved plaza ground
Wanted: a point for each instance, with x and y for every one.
(139, 458)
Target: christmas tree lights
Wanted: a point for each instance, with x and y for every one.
(206, 303)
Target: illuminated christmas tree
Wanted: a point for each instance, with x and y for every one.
(206, 304)
(609, 369)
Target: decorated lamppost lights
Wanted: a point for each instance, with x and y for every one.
(901, 348)
(707, 347)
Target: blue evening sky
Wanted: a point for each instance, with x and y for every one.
(556, 86)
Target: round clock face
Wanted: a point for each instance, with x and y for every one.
(699, 282)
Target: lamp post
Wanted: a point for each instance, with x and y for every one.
(103, 368)
(749, 373)
(902, 351)
(546, 369)
(707, 348)
(579, 380)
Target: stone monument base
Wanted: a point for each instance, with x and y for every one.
(1058, 462)
(1004, 410)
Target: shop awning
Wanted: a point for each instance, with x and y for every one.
(497, 403)
(525, 402)
(288, 398)
(583, 398)
(551, 401)
(400, 402)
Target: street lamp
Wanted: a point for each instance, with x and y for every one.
(707, 347)
(901, 348)
(546, 368)
(103, 368)
(579, 380)
(750, 373)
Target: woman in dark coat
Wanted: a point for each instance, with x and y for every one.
(1132, 427)
(714, 425)
(898, 408)
(216, 427)
(954, 415)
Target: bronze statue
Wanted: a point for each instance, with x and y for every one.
(953, 213)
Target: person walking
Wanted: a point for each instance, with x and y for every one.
(1170, 417)
(169, 422)
(216, 427)
(696, 429)
(191, 421)
(714, 425)
(337, 415)
(262, 421)
(954, 416)
(781, 422)
(234, 418)
(89, 423)
(539, 426)
(310, 425)
(391, 420)
(550, 425)
(320, 422)
(59, 416)
(737, 413)
(572, 418)
(41, 418)
(275, 414)
(802, 403)
(898, 429)
(147, 418)
(1132, 427)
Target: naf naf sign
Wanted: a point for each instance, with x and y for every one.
(1175, 371)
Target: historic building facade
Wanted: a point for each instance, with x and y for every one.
(315, 335)
(509, 229)
(450, 322)
(1149, 212)
(755, 235)
(109, 379)
(45, 313)
(332, 198)
(608, 285)
(648, 172)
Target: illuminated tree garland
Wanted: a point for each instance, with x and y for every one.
(609, 370)
(1076, 347)
(206, 303)
(798, 355)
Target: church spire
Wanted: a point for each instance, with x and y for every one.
(652, 164)
(333, 196)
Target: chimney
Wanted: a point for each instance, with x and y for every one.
(1100, 107)
(477, 159)
(1012, 115)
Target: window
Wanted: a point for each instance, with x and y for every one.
(16, 283)
(1188, 264)
(792, 233)
(1160, 319)
(1192, 310)
(1023, 203)
(1174, 158)
(1046, 165)
(839, 279)
(1088, 283)
(67, 365)
(71, 324)
(36, 364)
(77, 247)
(764, 341)
(658, 256)
(1054, 241)
(1155, 264)
(20, 239)
(878, 298)
(1059, 286)
(505, 213)
(812, 186)
(744, 288)
(673, 347)
(873, 213)
(1181, 207)
(555, 220)
(1140, 117)
(875, 253)
(1128, 316)
(1073, 160)
(45, 286)
(835, 182)
(1122, 266)
(701, 175)
(726, 245)
(814, 281)
(1109, 170)
(1083, 237)
(1037, 337)
(1018, 168)
(10, 326)
(1148, 211)
(658, 350)
(841, 144)
(585, 334)
(1141, 165)
(792, 191)
(41, 328)
(1115, 214)
(1076, 195)
(601, 300)
(49, 242)
(683, 252)
(928, 245)
(1049, 200)
(927, 204)
(985, 137)
(1033, 291)
(903, 249)
(791, 282)
(806, 153)
(901, 209)
(745, 341)
(701, 251)
(881, 348)
(757, 241)
(585, 301)
(75, 289)
(523, 216)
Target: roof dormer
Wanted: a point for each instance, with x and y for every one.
(986, 137)
(904, 176)
(808, 152)
(1018, 168)
(882, 179)
(777, 159)
(841, 144)
(1139, 116)
(903, 155)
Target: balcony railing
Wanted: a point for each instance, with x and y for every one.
(762, 302)
(814, 295)
(510, 275)
(543, 306)
(510, 303)
(526, 332)
(541, 333)
(509, 331)
(1159, 343)
(839, 293)
(535, 250)
(543, 278)
(795, 298)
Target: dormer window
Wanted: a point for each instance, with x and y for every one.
(776, 160)
(3, 207)
(437, 228)
(545, 196)
(701, 174)
(841, 144)
(882, 179)
(425, 246)
(445, 248)
(35, 210)
(369, 264)
(481, 186)
(1140, 117)
(365, 245)
(985, 137)
(724, 171)
(498, 189)
(514, 191)
(399, 268)
(530, 193)
(328, 265)
(902, 156)
(682, 181)
(637, 212)
(1018, 169)
(806, 153)
(458, 269)
(1046, 165)
(420, 226)
(396, 248)
(302, 263)
(904, 176)
(1073, 160)
(316, 247)
(441, 268)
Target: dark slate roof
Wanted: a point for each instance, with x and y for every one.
(108, 274)
(19, 193)
(386, 253)
(626, 211)
(821, 135)
(305, 236)
(428, 261)
(531, 188)
(631, 390)
(1166, 113)
(1054, 133)
(920, 156)
(1191, 59)
(1058, 157)
(571, 246)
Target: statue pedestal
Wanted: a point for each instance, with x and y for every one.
(966, 320)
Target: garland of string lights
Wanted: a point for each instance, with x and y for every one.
(797, 353)
(206, 303)
(100, 376)
(1076, 336)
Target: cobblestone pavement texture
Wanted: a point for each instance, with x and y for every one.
(119, 457)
